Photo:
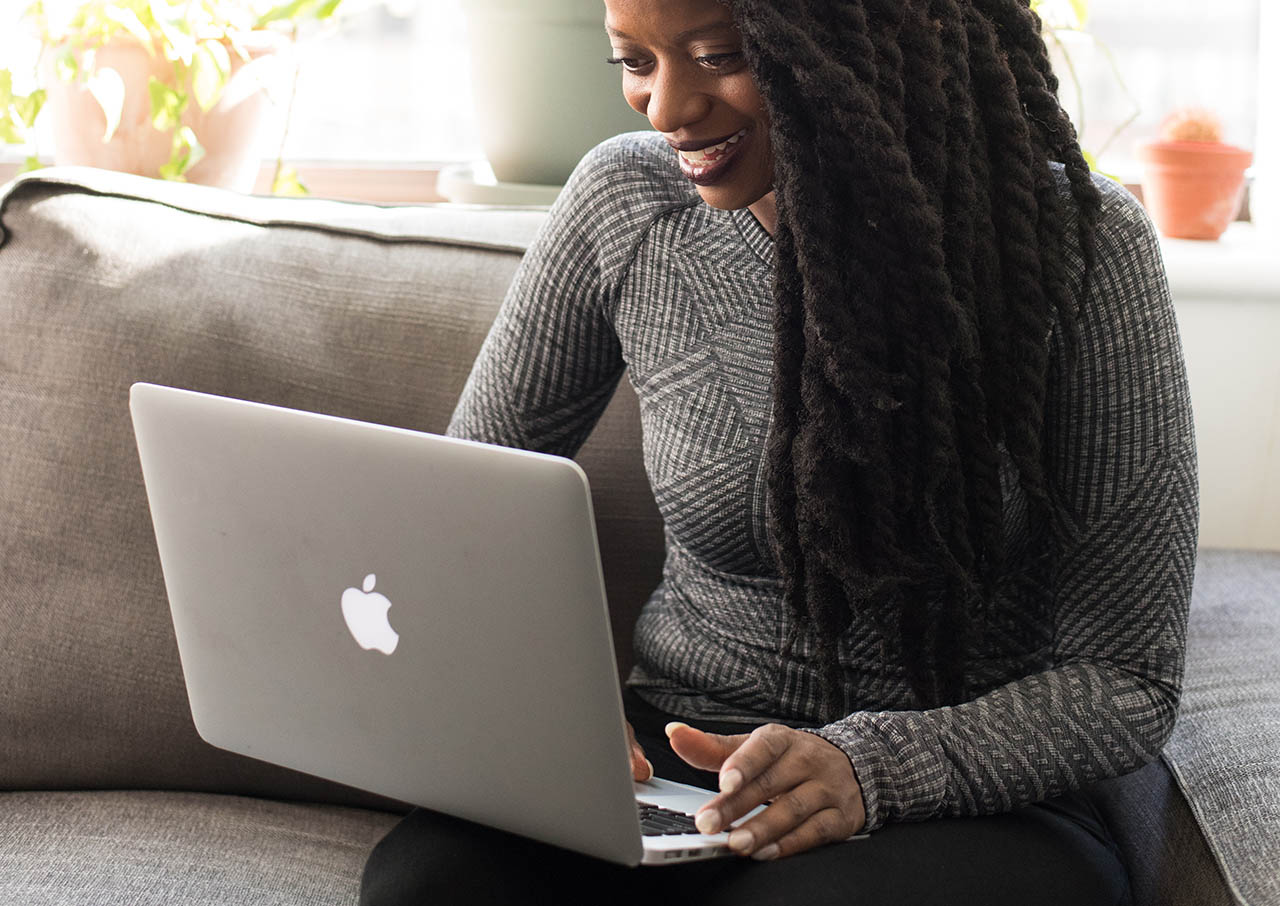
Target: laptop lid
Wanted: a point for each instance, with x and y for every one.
(419, 616)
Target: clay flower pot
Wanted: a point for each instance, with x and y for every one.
(1193, 190)
(229, 132)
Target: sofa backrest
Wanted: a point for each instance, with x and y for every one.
(357, 311)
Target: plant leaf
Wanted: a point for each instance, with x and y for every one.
(29, 108)
(187, 152)
(31, 163)
(1081, 10)
(327, 9)
(9, 133)
(287, 183)
(6, 89)
(210, 68)
(67, 66)
(127, 19)
(289, 10)
(107, 89)
(167, 105)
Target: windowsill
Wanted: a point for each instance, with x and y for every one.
(372, 183)
(1241, 265)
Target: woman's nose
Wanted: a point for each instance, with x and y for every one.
(674, 102)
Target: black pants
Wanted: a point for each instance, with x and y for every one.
(1056, 852)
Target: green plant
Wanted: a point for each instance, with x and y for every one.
(199, 38)
(1060, 17)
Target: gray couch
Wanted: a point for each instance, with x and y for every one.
(110, 797)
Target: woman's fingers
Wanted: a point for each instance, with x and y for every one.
(706, 751)
(828, 825)
(757, 771)
(641, 769)
(812, 794)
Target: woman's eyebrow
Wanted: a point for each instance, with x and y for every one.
(701, 31)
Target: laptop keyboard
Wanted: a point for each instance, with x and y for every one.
(656, 821)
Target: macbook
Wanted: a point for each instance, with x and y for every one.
(415, 615)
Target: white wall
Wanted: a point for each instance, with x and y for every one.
(1227, 298)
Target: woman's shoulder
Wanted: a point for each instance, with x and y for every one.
(1129, 268)
(1122, 219)
(632, 176)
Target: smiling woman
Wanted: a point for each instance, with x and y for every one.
(916, 419)
(696, 89)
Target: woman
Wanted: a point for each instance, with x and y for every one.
(916, 418)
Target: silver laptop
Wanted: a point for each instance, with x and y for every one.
(419, 616)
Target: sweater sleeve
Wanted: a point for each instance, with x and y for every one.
(1121, 459)
(551, 360)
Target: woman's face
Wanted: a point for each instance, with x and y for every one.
(684, 69)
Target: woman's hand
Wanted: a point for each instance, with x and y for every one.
(813, 794)
(641, 769)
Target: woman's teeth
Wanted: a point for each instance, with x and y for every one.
(704, 156)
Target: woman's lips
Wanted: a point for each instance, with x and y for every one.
(708, 165)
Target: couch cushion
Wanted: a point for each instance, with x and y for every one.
(1225, 749)
(143, 848)
(1168, 859)
(107, 279)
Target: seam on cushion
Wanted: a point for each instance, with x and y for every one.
(65, 184)
(1214, 849)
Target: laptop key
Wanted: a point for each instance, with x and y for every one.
(656, 821)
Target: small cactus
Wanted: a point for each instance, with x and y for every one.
(1191, 124)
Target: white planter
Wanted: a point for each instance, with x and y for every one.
(544, 95)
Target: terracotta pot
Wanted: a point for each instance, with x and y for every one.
(230, 132)
(1193, 190)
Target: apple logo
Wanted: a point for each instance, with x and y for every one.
(366, 616)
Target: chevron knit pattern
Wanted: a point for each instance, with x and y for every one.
(1082, 651)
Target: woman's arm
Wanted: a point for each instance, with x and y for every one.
(551, 360)
(1121, 454)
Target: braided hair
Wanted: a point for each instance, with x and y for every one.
(919, 272)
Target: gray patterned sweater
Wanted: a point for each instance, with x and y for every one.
(1081, 663)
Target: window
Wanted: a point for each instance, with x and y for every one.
(1169, 54)
(390, 83)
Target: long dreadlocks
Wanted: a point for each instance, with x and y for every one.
(919, 273)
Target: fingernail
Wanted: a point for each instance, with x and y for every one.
(766, 852)
(730, 780)
(671, 727)
(650, 764)
(742, 840)
(707, 821)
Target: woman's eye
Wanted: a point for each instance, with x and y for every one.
(630, 64)
(720, 60)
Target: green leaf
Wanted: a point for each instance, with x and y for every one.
(6, 89)
(67, 66)
(210, 69)
(9, 133)
(1081, 9)
(167, 105)
(187, 152)
(287, 183)
(31, 163)
(107, 89)
(289, 10)
(29, 108)
(327, 9)
(127, 19)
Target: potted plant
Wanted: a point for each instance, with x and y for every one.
(178, 89)
(1193, 182)
(536, 122)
